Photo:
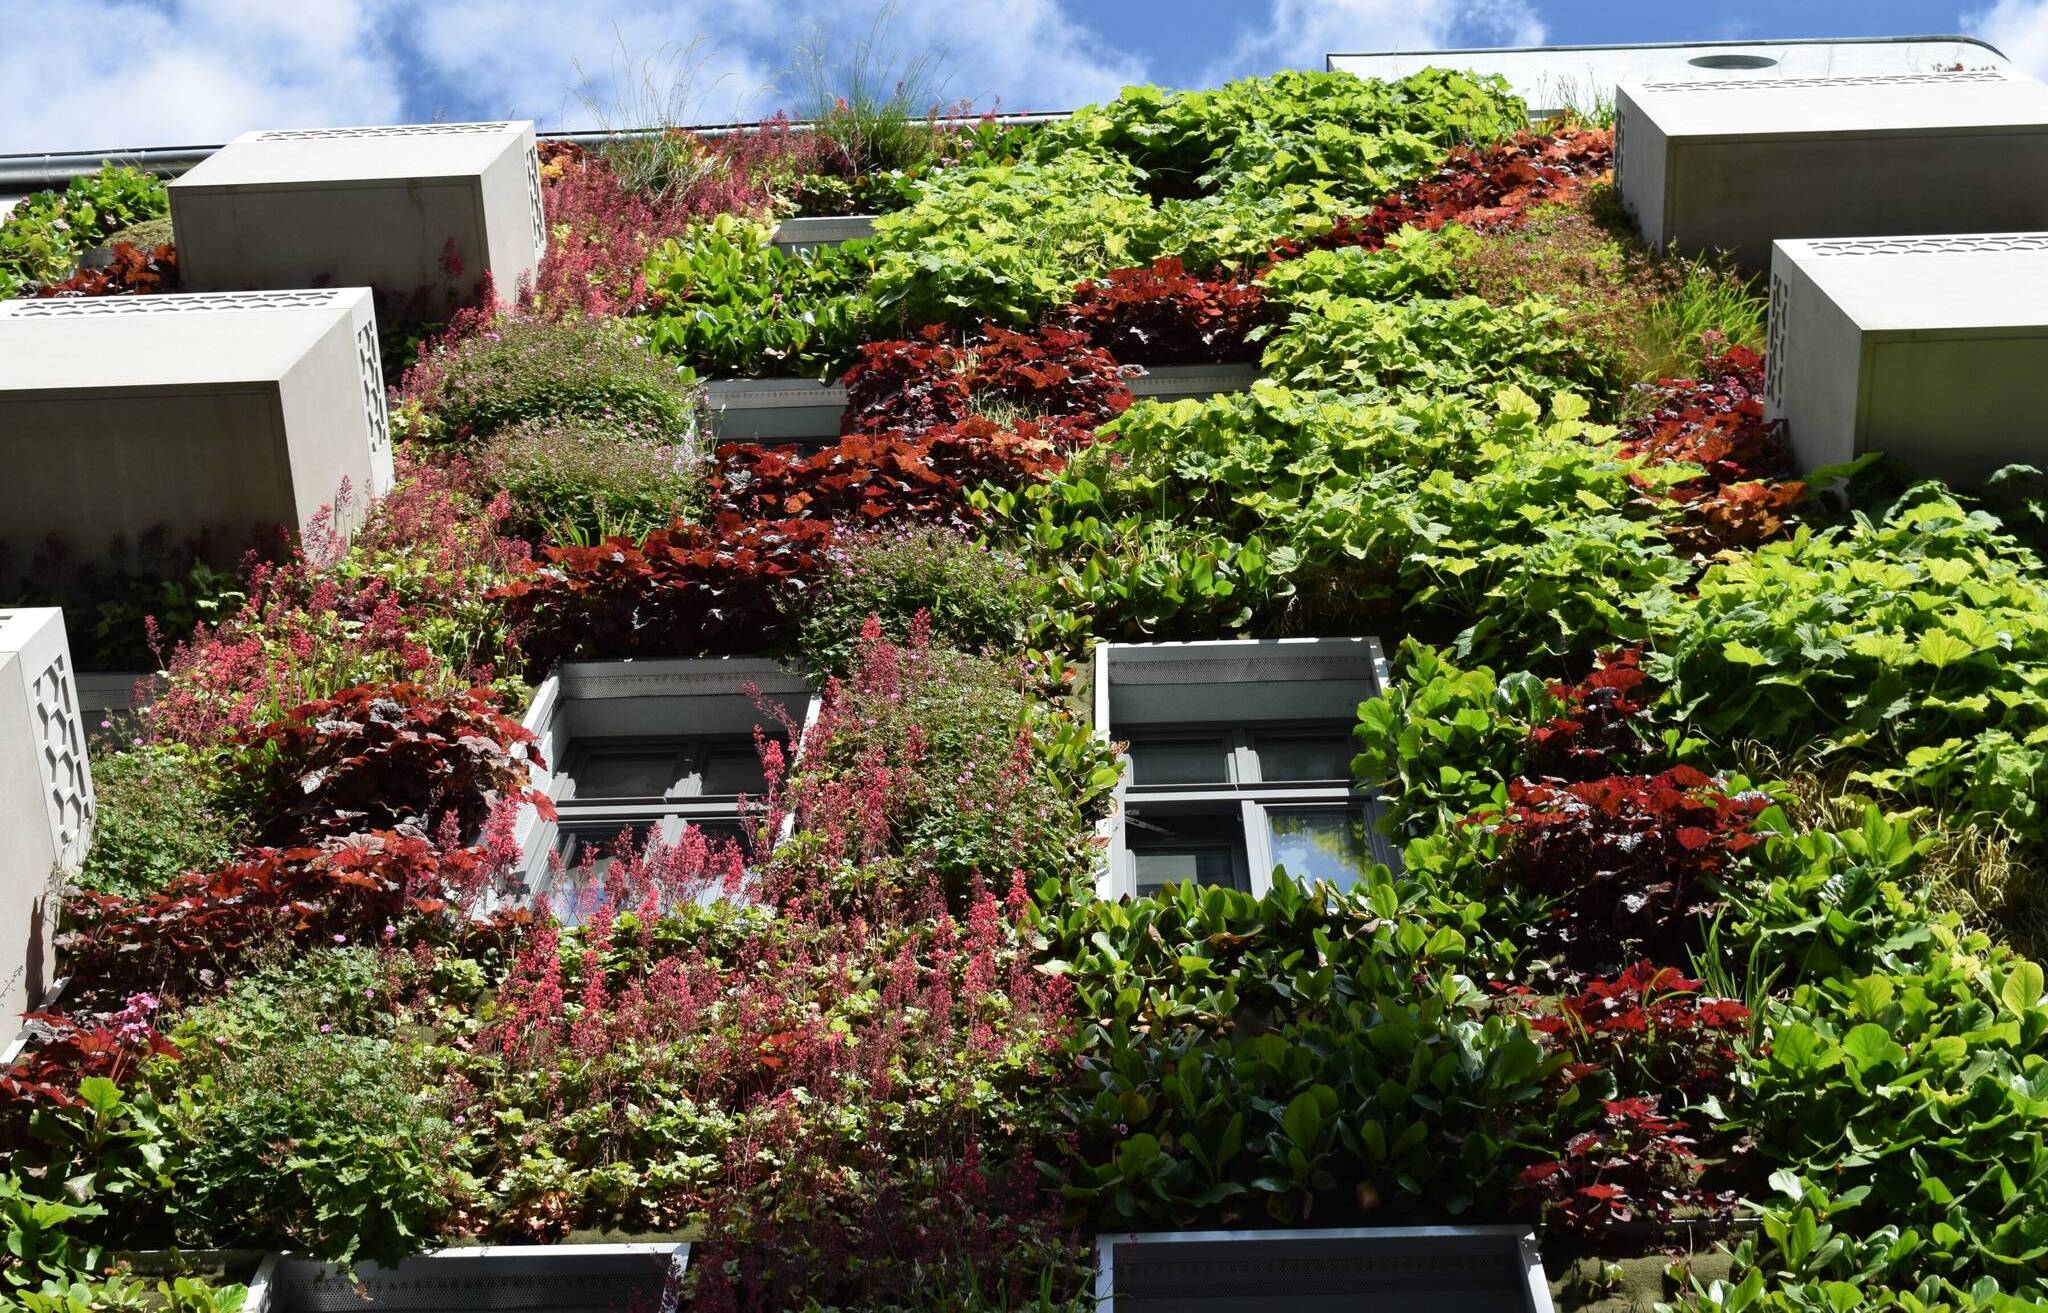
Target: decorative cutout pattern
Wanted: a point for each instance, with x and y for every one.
(1774, 341)
(1861, 80)
(394, 130)
(75, 307)
(540, 226)
(370, 364)
(60, 751)
(1620, 136)
(1934, 245)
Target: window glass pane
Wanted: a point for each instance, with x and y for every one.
(1179, 761)
(1320, 843)
(625, 772)
(733, 768)
(1290, 757)
(587, 853)
(1172, 848)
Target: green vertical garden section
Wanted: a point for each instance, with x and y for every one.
(1718, 795)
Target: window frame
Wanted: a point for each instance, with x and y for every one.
(691, 704)
(1246, 787)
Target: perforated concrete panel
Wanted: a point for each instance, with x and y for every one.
(46, 803)
(364, 207)
(1736, 164)
(1931, 349)
(223, 412)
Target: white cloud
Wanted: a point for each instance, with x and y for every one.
(2019, 28)
(1299, 33)
(106, 73)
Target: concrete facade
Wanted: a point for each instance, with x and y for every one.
(1735, 164)
(364, 207)
(1930, 349)
(227, 411)
(46, 802)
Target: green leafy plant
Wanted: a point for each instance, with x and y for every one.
(163, 810)
(579, 481)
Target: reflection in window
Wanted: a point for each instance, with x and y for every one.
(1162, 762)
(1330, 844)
(1298, 757)
(1181, 848)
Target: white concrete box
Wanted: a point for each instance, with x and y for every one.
(1930, 349)
(364, 207)
(46, 803)
(1735, 164)
(225, 411)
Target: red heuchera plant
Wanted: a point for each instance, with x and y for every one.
(391, 757)
(696, 589)
(189, 935)
(1717, 421)
(69, 1049)
(1631, 858)
(1636, 1164)
(1164, 315)
(1648, 1029)
(1596, 731)
(1480, 187)
(869, 477)
(1053, 376)
(313, 624)
(133, 270)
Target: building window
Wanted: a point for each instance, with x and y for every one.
(1263, 781)
(646, 750)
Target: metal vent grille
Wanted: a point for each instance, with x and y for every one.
(394, 130)
(1864, 80)
(73, 307)
(1774, 341)
(1936, 245)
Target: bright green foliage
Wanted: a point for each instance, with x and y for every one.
(170, 1295)
(1413, 263)
(581, 481)
(1914, 1100)
(1919, 638)
(1483, 516)
(536, 369)
(301, 1121)
(971, 596)
(1257, 1055)
(1441, 742)
(1007, 242)
(162, 811)
(1289, 121)
(1441, 348)
(732, 303)
(44, 234)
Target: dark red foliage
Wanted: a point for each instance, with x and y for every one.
(1596, 730)
(133, 270)
(694, 590)
(1635, 1165)
(870, 477)
(1654, 1022)
(1717, 421)
(1053, 376)
(1479, 187)
(189, 935)
(1630, 858)
(1644, 1034)
(66, 1050)
(1164, 315)
(390, 757)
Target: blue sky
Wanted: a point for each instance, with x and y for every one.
(83, 74)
